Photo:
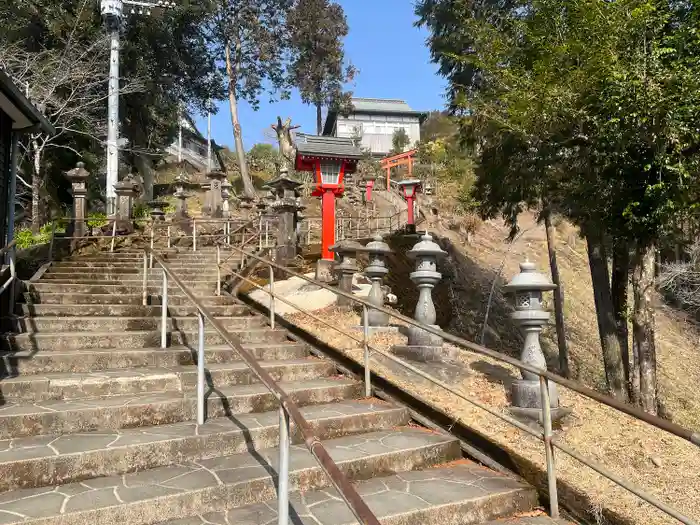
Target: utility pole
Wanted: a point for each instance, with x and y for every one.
(209, 139)
(113, 13)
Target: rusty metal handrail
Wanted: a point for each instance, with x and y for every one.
(550, 441)
(348, 493)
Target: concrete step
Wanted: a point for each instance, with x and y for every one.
(459, 494)
(132, 298)
(530, 520)
(132, 339)
(56, 386)
(186, 275)
(120, 324)
(51, 460)
(67, 266)
(79, 361)
(114, 412)
(98, 287)
(126, 310)
(221, 483)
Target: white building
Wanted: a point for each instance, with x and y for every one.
(374, 121)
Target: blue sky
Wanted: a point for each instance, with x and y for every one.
(390, 53)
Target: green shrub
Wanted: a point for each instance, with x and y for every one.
(141, 211)
(96, 220)
(24, 238)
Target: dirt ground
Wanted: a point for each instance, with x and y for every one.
(653, 460)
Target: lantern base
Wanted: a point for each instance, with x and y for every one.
(426, 353)
(526, 394)
(324, 270)
(533, 416)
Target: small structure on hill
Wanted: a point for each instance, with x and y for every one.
(329, 159)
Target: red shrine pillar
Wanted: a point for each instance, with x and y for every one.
(327, 224)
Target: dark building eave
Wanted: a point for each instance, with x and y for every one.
(15, 102)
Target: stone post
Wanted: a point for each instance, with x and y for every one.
(126, 190)
(346, 268)
(528, 287)
(285, 191)
(246, 206)
(181, 185)
(215, 201)
(426, 253)
(78, 177)
(377, 269)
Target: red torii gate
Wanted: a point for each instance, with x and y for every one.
(402, 159)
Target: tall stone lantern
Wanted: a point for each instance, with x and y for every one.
(286, 192)
(126, 191)
(213, 206)
(182, 184)
(376, 270)
(226, 196)
(426, 253)
(527, 288)
(78, 177)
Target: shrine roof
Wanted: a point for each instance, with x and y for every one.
(329, 147)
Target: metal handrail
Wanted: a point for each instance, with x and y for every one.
(288, 409)
(10, 249)
(544, 375)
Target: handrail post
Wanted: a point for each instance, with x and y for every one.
(153, 227)
(53, 236)
(200, 370)
(283, 474)
(218, 269)
(164, 312)
(549, 449)
(272, 298)
(365, 344)
(260, 232)
(13, 279)
(144, 297)
(114, 235)
(194, 235)
(168, 236)
(228, 233)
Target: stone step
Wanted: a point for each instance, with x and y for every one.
(127, 310)
(115, 412)
(123, 298)
(530, 520)
(132, 339)
(98, 287)
(120, 324)
(39, 461)
(123, 265)
(118, 382)
(221, 483)
(95, 360)
(460, 494)
(107, 277)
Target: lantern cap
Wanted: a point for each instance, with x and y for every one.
(409, 182)
(377, 245)
(346, 246)
(426, 246)
(530, 279)
(78, 173)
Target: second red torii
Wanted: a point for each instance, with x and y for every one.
(402, 159)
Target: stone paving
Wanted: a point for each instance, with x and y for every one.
(448, 494)
(223, 481)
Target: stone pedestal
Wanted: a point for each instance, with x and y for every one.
(324, 270)
(376, 270)
(78, 177)
(528, 287)
(346, 268)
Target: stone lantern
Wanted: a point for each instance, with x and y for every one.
(182, 183)
(157, 209)
(126, 190)
(78, 177)
(246, 206)
(376, 270)
(527, 288)
(213, 206)
(346, 267)
(426, 253)
(286, 192)
(226, 196)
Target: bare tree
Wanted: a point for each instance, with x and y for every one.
(69, 86)
(283, 131)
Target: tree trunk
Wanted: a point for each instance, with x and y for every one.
(558, 295)
(248, 187)
(643, 343)
(612, 355)
(143, 164)
(619, 286)
(36, 188)
(319, 120)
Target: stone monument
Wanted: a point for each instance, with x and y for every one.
(126, 191)
(214, 204)
(78, 177)
(527, 288)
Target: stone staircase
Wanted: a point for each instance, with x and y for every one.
(97, 421)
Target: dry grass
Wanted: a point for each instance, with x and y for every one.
(651, 459)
